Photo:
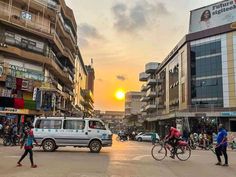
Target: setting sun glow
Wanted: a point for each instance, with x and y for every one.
(120, 95)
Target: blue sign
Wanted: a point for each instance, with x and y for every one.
(228, 113)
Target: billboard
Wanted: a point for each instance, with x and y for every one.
(211, 16)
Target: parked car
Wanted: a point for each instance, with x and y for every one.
(146, 137)
(54, 132)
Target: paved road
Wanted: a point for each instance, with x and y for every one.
(124, 159)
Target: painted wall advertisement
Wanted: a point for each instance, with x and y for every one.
(217, 14)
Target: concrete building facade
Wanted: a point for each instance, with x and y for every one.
(38, 51)
(196, 81)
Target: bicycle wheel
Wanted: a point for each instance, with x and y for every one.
(183, 152)
(159, 152)
(6, 142)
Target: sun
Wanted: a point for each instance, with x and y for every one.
(120, 95)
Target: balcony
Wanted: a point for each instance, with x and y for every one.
(14, 16)
(144, 99)
(151, 93)
(144, 88)
(150, 107)
(142, 110)
(151, 67)
(143, 76)
(68, 38)
(50, 62)
(151, 81)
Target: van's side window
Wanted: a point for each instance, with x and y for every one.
(74, 124)
(96, 125)
(48, 124)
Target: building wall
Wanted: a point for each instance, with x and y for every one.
(39, 49)
(80, 82)
(226, 73)
(183, 77)
(133, 103)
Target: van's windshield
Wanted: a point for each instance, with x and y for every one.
(94, 124)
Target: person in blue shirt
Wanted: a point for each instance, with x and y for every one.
(221, 146)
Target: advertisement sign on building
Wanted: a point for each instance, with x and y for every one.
(217, 14)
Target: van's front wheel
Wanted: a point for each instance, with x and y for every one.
(49, 145)
(95, 146)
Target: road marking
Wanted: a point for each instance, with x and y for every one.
(140, 157)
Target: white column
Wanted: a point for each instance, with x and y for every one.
(225, 80)
(234, 55)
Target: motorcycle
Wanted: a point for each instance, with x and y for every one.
(8, 140)
(232, 145)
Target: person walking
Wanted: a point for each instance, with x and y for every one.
(221, 146)
(1, 130)
(27, 142)
(154, 137)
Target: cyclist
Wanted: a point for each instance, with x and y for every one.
(172, 138)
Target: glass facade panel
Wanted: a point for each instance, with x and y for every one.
(206, 74)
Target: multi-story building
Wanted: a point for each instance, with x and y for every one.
(196, 82)
(38, 48)
(149, 91)
(81, 75)
(87, 92)
(132, 108)
(114, 119)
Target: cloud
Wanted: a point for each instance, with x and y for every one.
(138, 16)
(120, 77)
(87, 32)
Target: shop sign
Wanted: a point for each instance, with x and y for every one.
(228, 114)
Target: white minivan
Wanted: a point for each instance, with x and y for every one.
(54, 132)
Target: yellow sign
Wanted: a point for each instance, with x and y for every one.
(14, 111)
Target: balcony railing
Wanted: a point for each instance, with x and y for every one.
(14, 15)
(143, 76)
(151, 93)
(150, 107)
(151, 81)
(151, 67)
(48, 3)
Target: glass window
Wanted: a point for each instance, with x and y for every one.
(96, 125)
(48, 124)
(74, 124)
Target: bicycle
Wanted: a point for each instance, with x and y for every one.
(182, 151)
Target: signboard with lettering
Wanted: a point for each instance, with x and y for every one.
(228, 114)
(214, 15)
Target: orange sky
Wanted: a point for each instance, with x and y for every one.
(122, 36)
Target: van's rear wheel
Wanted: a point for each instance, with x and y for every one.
(95, 146)
(49, 145)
